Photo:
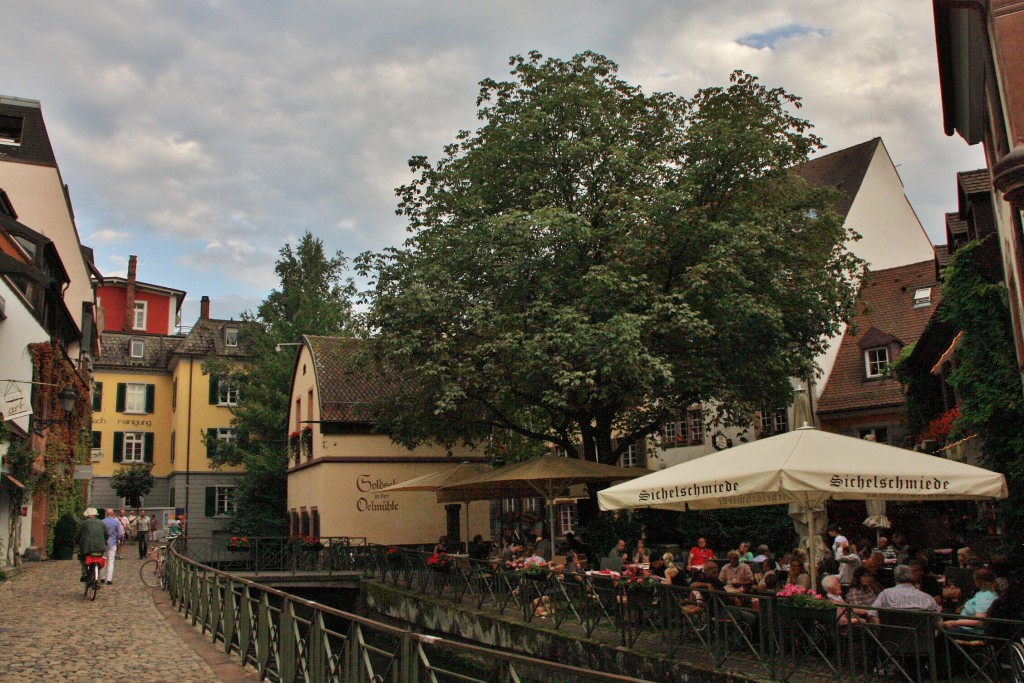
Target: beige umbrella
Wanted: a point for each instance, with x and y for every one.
(548, 477)
(435, 480)
(807, 467)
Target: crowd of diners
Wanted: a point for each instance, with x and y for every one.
(860, 578)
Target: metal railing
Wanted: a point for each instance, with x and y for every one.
(290, 639)
(758, 635)
(278, 554)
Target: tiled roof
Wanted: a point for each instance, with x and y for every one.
(956, 225)
(974, 181)
(343, 388)
(115, 351)
(886, 306)
(943, 255)
(844, 170)
(207, 339)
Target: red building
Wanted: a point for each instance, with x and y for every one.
(132, 306)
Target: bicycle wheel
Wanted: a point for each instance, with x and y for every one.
(150, 574)
(92, 586)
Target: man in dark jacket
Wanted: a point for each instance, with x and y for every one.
(91, 536)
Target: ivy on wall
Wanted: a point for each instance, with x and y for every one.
(66, 442)
(987, 381)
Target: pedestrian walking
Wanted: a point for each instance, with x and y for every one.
(123, 519)
(114, 535)
(142, 522)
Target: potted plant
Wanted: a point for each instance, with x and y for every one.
(238, 544)
(439, 562)
(310, 544)
(393, 555)
(798, 605)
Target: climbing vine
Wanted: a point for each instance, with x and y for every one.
(986, 379)
(65, 442)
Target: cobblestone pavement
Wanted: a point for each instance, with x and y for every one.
(50, 633)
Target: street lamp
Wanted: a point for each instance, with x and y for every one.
(68, 398)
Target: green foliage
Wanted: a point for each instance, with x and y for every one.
(132, 482)
(593, 260)
(986, 379)
(724, 529)
(314, 296)
(606, 530)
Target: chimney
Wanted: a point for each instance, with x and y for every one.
(129, 299)
(204, 308)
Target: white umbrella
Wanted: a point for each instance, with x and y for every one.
(807, 467)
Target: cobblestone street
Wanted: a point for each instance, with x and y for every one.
(49, 632)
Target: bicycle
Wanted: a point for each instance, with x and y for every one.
(152, 570)
(94, 562)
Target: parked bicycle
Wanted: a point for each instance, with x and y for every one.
(152, 571)
(94, 563)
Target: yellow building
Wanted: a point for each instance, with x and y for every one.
(153, 403)
(338, 464)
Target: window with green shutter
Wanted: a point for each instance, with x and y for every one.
(118, 446)
(119, 403)
(97, 396)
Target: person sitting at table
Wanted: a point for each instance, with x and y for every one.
(699, 554)
(640, 555)
(544, 547)
(657, 567)
(903, 595)
(478, 549)
(572, 563)
(889, 555)
(671, 568)
(510, 552)
(874, 566)
(861, 591)
(761, 555)
(709, 578)
(744, 551)
(977, 607)
(619, 551)
(925, 582)
(797, 575)
(736, 576)
(532, 557)
(709, 581)
(963, 556)
(834, 592)
(442, 546)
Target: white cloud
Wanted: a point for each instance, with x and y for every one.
(212, 133)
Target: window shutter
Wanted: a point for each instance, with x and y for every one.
(214, 389)
(121, 389)
(211, 441)
(118, 445)
(211, 501)
(150, 397)
(147, 440)
(97, 396)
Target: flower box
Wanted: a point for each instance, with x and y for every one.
(313, 547)
(238, 549)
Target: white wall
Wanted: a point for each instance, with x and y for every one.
(37, 194)
(16, 332)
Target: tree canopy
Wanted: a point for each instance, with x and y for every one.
(593, 260)
(314, 296)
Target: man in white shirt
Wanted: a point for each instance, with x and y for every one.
(839, 542)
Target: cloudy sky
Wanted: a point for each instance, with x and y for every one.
(204, 135)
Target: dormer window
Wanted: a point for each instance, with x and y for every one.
(923, 297)
(230, 336)
(876, 360)
(138, 348)
(11, 128)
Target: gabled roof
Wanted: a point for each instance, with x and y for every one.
(886, 311)
(342, 388)
(843, 170)
(956, 226)
(158, 289)
(207, 339)
(974, 182)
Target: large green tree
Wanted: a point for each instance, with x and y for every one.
(314, 296)
(593, 260)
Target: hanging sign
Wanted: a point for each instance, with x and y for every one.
(16, 403)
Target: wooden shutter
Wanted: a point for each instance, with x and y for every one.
(150, 397)
(211, 441)
(121, 389)
(211, 501)
(147, 441)
(214, 389)
(118, 446)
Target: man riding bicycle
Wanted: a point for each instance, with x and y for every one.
(91, 537)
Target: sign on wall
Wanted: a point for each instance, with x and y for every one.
(16, 403)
